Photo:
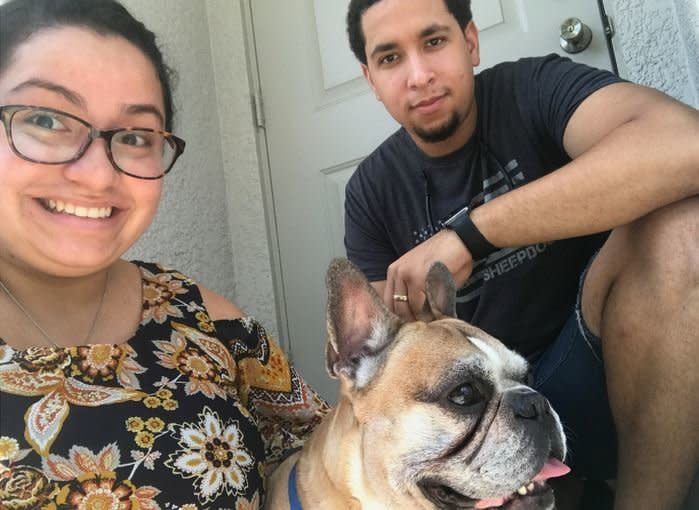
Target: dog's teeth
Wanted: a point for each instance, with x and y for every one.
(522, 491)
(530, 487)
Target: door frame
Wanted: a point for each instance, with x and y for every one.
(266, 178)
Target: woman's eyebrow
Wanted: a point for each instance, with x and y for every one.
(145, 108)
(70, 95)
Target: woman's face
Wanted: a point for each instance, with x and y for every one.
(110, 83)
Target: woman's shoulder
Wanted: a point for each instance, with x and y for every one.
(217, 306)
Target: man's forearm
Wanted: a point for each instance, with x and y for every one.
(639, 166)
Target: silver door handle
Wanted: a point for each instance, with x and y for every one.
(575, 35)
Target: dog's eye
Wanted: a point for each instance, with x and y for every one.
(465, 395)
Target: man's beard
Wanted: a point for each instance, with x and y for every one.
(440, 133)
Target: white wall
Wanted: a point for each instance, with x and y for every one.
(241, 166)
(191, 229)
(211, 222)
(657, 44)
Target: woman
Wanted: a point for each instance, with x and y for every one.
(122, 384)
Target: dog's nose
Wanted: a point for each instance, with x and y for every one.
(527, 403)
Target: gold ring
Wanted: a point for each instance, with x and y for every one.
(400, 297)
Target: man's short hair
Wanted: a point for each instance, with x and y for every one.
(460, 9)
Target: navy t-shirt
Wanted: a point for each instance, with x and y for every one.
(521, 295)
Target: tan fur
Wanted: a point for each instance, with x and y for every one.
(395, 425)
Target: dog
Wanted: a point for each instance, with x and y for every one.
(432, 414)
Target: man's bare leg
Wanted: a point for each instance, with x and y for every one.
(642, 297)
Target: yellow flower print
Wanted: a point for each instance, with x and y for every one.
(188, 507)
(170, 405)
(102, 490)
(145, 439)
(206, 327)
(103, 363)
(8, 447)
(151, 402)
(155, 424)
(202, 317)
(24, 488)
(45, 373)
(163, 393)
(134, 424)
(212, 452)
(159, 292)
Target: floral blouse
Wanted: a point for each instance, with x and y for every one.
(185, 415)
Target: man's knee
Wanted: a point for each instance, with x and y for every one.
(667, 239)
(658, 253)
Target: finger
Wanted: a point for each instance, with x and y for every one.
(388, 289)
(416, 299)
(401, 300)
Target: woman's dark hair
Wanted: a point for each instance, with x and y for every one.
(20, 19)
(460, 9)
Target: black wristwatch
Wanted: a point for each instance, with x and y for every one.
(460, 222)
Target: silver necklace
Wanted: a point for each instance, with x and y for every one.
(49, 339)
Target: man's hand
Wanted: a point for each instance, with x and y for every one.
(407, 275)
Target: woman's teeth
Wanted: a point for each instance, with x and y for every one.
(78, 210)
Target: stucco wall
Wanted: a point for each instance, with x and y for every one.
(657, 44)
(211, 222)
(241, 167)
(190, 231)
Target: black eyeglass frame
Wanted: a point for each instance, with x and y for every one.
(7, 113)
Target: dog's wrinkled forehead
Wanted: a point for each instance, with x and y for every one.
(458, 344)
(502, 360)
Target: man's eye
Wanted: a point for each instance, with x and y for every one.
(388, 59)
(435, 41)
(46, 121)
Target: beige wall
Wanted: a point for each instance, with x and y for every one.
(211, 222)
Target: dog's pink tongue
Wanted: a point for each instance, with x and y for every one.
(490, 503)
(552, 469)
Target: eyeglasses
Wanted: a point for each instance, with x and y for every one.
(52, 137)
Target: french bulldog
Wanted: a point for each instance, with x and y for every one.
(431, 414)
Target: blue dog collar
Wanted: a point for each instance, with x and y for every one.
(294, 501)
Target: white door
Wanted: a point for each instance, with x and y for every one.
(321, 120)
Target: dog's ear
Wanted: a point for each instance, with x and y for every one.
(440, 294)
(359, 324)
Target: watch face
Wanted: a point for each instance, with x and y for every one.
(456, 216)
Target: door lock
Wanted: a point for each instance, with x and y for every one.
(575, 35)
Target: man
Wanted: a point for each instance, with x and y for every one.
(513, 178)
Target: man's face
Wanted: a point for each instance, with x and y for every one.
(420, 65)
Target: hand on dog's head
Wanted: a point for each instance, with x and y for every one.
(447, 421)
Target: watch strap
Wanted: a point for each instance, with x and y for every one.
(473, 239)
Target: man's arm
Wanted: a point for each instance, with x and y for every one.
(634, 150)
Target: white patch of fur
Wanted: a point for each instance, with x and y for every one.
(494, 356)
(369, 365)
(561, 432)
(503, 361)
(379, 334)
